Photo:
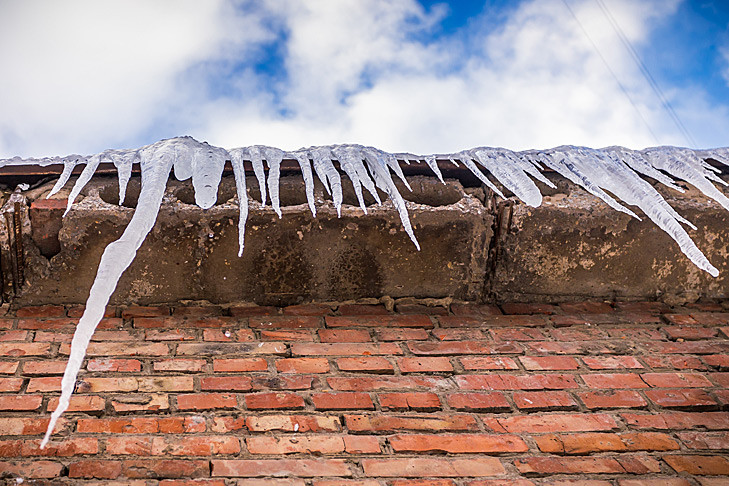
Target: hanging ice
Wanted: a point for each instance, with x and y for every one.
(612, 174)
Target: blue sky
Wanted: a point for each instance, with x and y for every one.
(80, 76)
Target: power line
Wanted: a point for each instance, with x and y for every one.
(610, 69)
(646, 73)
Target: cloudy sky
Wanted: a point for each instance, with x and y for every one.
(80, 76)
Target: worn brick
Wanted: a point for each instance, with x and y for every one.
(342, 401)
(41, 311)
(611, 362)
(589, 443)
(676, 380)
(32, 469)
(239, 365)
(691, 399)
(705, 440)
(283, 382)
(401, 334)
(421, 309)
(433, 467)
(20, 402)
(528, 308)
(544, 401)
(612, 399)
(225, 383)
(420, 321)
(206, 401)
(344, 349)
(344, 336)
(142, 425)
(166, 468)
(674, 362)
(252, 310)
(474, 363)
(8, 367)
(95, 469)
(80, 403)
(292, 423)
(287, 335)
(281, 468)
(285, 322)
(479, 402)
(385, 423)
(497, 381)
(302, 365)
(362, 444)
(307, 310)
(372, 364)
(121, 349)
(180, 365)
(177, 446)
(458, 444)
(477, 310)
(540, 424)
(539, 363)
(614, 380)
(115, 365)
(13, 335)
(367, 383)
(294, 445)
(281, 400)
(698, 465)
(362, 310)
(420, 401)
(447, 348)
(221, 349)
(24, 349)
(517, 334)
(144, 402)
(425, 365)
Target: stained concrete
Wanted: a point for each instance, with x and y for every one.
(474, 248)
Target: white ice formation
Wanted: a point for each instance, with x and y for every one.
(612, 174)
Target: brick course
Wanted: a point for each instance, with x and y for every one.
(591, 394)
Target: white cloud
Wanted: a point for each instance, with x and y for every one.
(363, 71)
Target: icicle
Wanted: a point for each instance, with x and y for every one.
(466, 160)
(254, 155)
(122, 160)
(433, 164)
(303, 158)
(91, 164)
(236, 160)
(68, 166)
(350, 159)
(509, 170)
(157, 160)
(274, 157)
(207, 169)
(638, 163)
(328, 175)
(376, 161)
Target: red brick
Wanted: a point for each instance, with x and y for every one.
(676, 380)
(421, 309)
(44, 384)
(89, 469)
(674, 362)
(344, 349)
(472, 363)
(342, 401)
(425, 365)
(633, 334)
(576, 465)
(662, 481)
(479, 402)
(302, 365)
(80, 403)
(166, 468)
(8, 367)
(517, 308)
(462, 347)
(14, 335)
(652, 307)
(361, 444)
(688, 347)
(239, 365)
(136, 403)
(283, 382)
(287, 335)
(24, 349)
(206, 401)
(433, 467)
(540, 424)
(180, 365)
(281, 468)
(177, 446)
(121, 349)
(285, 322)
(720, 361)
(265, 401)
(477, 310)
(20, 402)
(385, 423)
(148, 311)
(32, 469)
(344, 336)
(401, 334)
(44, 367)
(458, 444)
(252, 310)
(227, 336)
(690, 333)
(116, 365)
(420, 321)
(497, 381)
(307, 310)
(41, 311)
(678, 420)
(614, 380)
(53, 337)
(365, 365)
(586, 308)
(577, 334)
(705, 440)
(691, 399)
(422, 401)
(517, 334)
(368, 383)
(294, 445)
(60, 448)
(544, 400)
(225, 383)
(218, 349)
(292, 423)
(170, 335)
(699, 465)
(362, 310)
(612, 399)
(611, 362)
(457, 334)
(142, 425)
(721, 379)
(11, 384)
(589, 443)
(538, 363)
(493, 321)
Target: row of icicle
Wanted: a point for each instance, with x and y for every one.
(613, 170)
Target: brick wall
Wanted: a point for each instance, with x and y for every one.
(579, 394)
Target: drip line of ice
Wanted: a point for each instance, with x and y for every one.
(612, 174)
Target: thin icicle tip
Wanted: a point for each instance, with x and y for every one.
(613, 174)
